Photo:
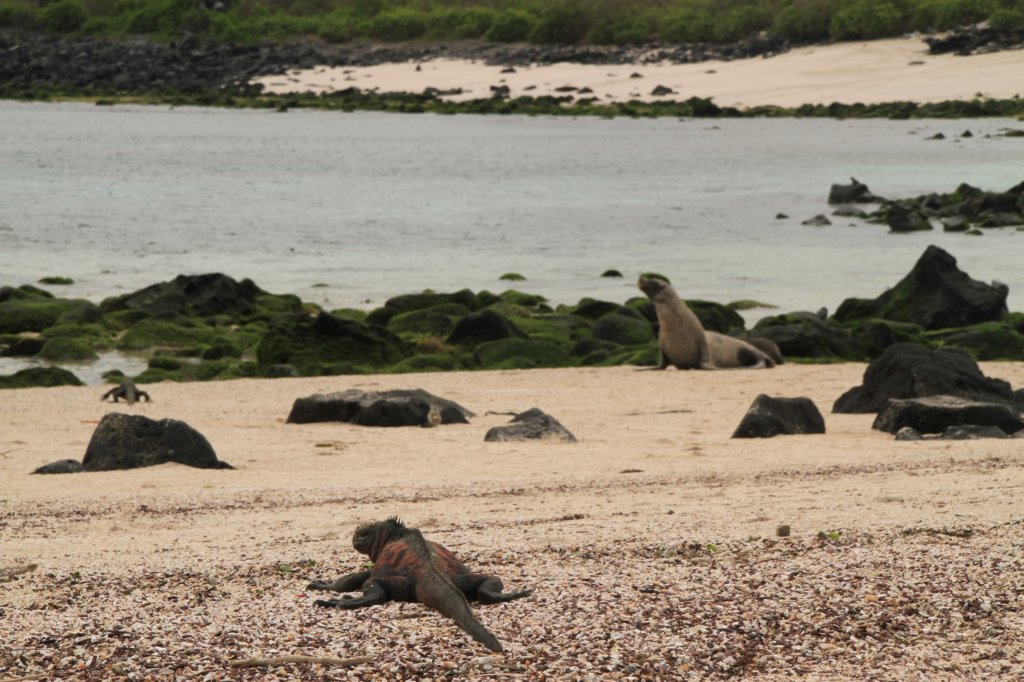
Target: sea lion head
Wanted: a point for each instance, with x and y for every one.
(652, 285)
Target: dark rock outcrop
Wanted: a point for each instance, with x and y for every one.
(533, 424)
(975, 39)
(907, 370)
(937, 413)
(198, 295)
(901, 218)
(414, 407)
(125, 441)
(935, 294)
(768, 416)
(855, 192)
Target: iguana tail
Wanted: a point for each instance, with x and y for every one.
(436, 590)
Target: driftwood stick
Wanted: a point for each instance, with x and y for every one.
(34, 676)
(279, 660)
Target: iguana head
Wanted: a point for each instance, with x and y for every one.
(370, 538)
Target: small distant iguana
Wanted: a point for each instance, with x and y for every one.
(127, 390)
(406, 567)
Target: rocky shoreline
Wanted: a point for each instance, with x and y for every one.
(194, 70)
(204, 327)
(36, 62)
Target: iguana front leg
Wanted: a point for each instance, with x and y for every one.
(346, 583)
(373, 594)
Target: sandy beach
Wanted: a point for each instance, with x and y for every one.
(869, 72)
(651, 544)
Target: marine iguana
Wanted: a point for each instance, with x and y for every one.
(127, 390)
(406, 567)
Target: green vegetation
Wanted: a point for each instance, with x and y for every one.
(611, 22)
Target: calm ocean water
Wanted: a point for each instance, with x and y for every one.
(347, 210)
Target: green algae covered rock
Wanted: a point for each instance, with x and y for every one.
(40, 376)
(329, 345)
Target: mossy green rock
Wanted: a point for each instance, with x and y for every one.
(525, 300)
(222, 349)
(805, 335)
(646, 356)
(935, 295)
(433, 362)
(520, 354)
(63, 348)
(328, 345)
(877, 335)
(593, 309)
(40, 376)
(482, 326)
(589, 346)
(202, 296)
(623, 330)
(716, 317)
(165, 363)
(559, 329)
(988, 344)
(23, 292)
(150, 333)
(428, 299)
(34, 314)
(438, 320)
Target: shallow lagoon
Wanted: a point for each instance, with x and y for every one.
(347, 210)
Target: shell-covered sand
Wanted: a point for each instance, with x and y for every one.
(651, 544)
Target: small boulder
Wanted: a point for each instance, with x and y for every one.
(127, 441)
(937, 413)
(770, 416)
(819, 220)
(534, 424)
(400, 407)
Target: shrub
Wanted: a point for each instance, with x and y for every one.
(64, 16)
(337, 27)
(804, 21)
(398, 24)
(564, 23)
(15, 14)
(686, 26)
(510, 26)
(1006, 20)
(459, 23)
(943, 15)
(739, 23)
(866, 20)
(619, 31)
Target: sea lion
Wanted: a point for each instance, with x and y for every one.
(730, 352)
(683, 342)
(681, 337)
